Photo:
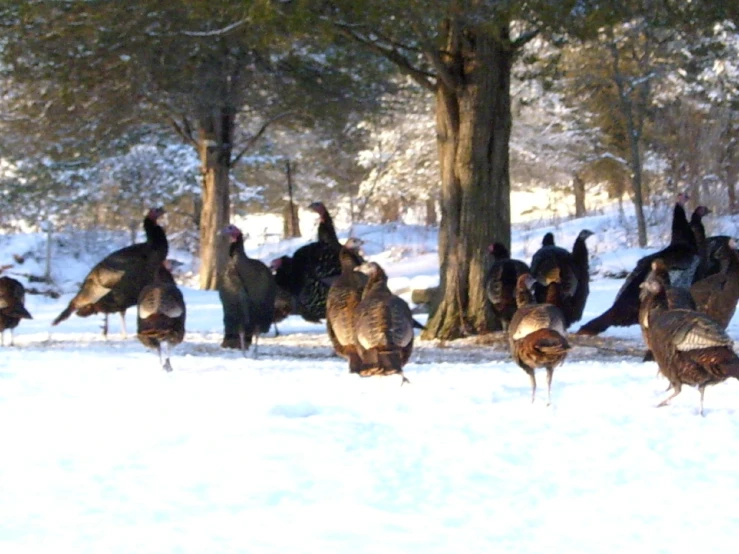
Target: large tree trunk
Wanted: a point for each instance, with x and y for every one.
(473, 122)
(214, 147)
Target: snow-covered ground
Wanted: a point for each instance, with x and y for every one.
(103, 452)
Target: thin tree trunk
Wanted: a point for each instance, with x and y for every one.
(473, 122)
(291, 227)
(578, 188)
(430, 212)
(732, 176)
(636, 185)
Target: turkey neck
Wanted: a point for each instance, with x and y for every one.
(580, 253)
(680, 226)
(659, 300)
(155, 235)
(376, 282)
(732, 262)
(348, 263)
(523, 296)
(503, 254)
(236, 246)
(553, 294)
(326, 231)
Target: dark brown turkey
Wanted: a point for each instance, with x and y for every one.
(500, 283)
(12, 306)
(384, 326)
(537, 334)
(115, 283)
(681, 230)
(247, 290)
(714, 244)
(574, 274)
(284, 304)
(344, 296)
(689, 347)
(306, 273)
(677, 298)
(718, 294)
(701, 243)
(161, 316)
(682, 259)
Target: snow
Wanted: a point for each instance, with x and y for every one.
(105, 452)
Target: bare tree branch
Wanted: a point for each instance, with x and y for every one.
(217, 32)
(434, 57)
(254, 138)
(525, 38)
(422, 78)
(184, 130)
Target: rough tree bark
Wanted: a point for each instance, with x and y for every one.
(215, 137)
(473, 123)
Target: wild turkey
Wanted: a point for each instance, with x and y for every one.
(326, 230)
(677, 298)
(717, 294)
(681, 259)
(537, 334)
(714, 244)
(12, 306)
(161, 315)
(500, 283)
(573, 271)
(344, 296)
(681, 231)
(689, 347)
(115, 283)
(305, 274)
(284, 305)
(581, 257)
(701, 245)
(384, 327)
(247, 290)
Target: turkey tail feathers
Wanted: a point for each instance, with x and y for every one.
(64, 315)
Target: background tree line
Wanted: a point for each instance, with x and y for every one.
(382, 107)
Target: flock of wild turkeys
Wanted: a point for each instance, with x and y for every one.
(683, 297)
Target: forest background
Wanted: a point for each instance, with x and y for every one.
(412, 111)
